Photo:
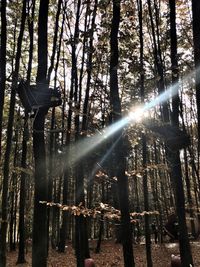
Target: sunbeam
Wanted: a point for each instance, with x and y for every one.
(88, 144)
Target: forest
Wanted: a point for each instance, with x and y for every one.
(99, 133)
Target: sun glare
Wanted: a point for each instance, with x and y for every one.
(136, 114)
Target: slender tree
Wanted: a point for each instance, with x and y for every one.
(13, 193)
(23, 184)
(174, 156)
(158, 63)
(54, 40)
(119, 150)
(2, 64)
(53, 119)
(196, 39)
(144, 141)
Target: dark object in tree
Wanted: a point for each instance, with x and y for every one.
(33, 97)
(175, 261)
(89, 262)
(174, 137)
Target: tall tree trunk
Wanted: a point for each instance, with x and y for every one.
(13, 192)
(119, 158)
(81, 239)
(53, 119)
(146, 203)
(22, 201)
(2, 64)
(39, 246)
(30, 29)
(189, 194)
(174, 156)
(3, 227)
(54, 41)
(196, 40)
(159, 175)
(158, 65)
(144, 142)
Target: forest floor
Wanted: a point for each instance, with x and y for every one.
(111, 255)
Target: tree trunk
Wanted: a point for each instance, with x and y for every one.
(13, 194)
(23, 185)
(119, 150)
(2, 64)
(39, 246)
(54, 41)
(158, 65)
(174, 156)
(31, 30)
(52, 143)
(196, 40)
(22, 202)
(144, 144)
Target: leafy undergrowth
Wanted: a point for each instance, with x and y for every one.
(111, 255)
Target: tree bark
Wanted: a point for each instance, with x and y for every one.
(39, 245)
(119, 150)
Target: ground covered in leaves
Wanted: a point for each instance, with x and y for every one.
(111, 255)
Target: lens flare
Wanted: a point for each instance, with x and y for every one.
(136, 114)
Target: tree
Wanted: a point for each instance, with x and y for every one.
(2, 64)
(39, 251)
(174, 156)
(144, 141)
(52, 135)
(119, 150)
(23, 183)
(196, 40)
